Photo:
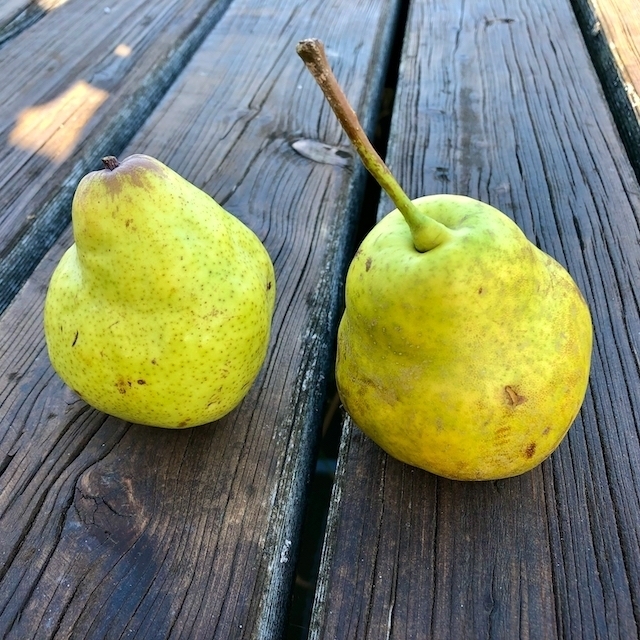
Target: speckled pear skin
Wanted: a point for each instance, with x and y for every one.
(470, 360)
(160, 313)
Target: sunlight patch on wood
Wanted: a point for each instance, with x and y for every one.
(53, 129)
(123, 50)
(48, 5)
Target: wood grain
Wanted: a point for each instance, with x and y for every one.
(611, 30)
(117, 530)
(17, 15)
(77, 85)
(487, 105)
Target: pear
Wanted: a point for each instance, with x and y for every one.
(160, 312)
(463, 349)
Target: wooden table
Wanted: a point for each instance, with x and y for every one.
(114, 530)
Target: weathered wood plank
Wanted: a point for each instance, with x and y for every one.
(487, 106)
(111, 529)
(77, 84)
(612, 32)
(16, 15)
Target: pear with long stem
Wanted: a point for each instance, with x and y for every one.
(463, 349)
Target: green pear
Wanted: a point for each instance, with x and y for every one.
(160, 312)
(463, 349)
(470, 360)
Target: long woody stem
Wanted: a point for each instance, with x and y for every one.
(427, 233)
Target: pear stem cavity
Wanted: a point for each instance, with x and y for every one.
(110, 162)
(427, 233)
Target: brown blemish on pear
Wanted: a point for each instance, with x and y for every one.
(502, 433)
(513, 397)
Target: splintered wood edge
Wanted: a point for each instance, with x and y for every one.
(323, 584)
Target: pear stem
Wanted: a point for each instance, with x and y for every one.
(427, 233)
(110, 162)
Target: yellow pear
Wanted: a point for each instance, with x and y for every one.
(463, 349)
(470, 360)
(160, 312)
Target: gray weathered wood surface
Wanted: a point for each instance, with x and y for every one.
(499, 100)
(16, 15)
(116, 530)
(113, 530)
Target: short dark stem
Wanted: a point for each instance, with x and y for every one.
(110, 162)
